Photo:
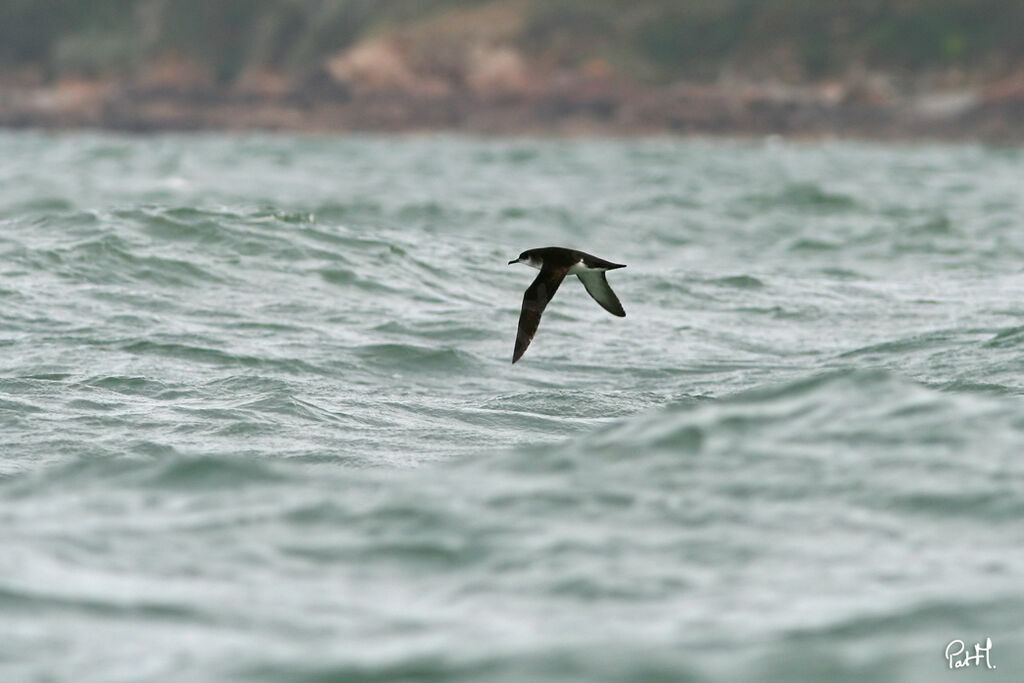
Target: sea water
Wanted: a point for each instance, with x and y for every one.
(259, 421)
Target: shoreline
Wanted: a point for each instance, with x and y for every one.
(608, 109)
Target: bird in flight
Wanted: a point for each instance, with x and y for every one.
(554, 263)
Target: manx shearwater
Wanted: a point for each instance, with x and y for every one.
(554, 263)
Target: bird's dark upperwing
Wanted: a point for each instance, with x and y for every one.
(598, 287)
(536, 298)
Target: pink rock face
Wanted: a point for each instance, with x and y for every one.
(380, 66)
(1007, 90)
(496, 72)
(174, 72)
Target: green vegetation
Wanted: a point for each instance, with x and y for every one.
(659, 40)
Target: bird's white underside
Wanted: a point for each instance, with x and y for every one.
(580, 267)
(574, 269)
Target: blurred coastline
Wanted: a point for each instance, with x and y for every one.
(951, 69)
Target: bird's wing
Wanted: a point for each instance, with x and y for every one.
(535, 299)
(598, 287)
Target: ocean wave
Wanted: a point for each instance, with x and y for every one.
(419, 359)
(833, 415)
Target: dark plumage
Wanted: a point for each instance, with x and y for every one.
(554, 264)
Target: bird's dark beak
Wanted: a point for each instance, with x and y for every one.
(515, 260)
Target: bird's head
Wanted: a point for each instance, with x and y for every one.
(530, 258)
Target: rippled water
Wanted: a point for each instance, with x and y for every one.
(259, 420)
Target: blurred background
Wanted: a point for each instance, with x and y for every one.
(945, 68)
